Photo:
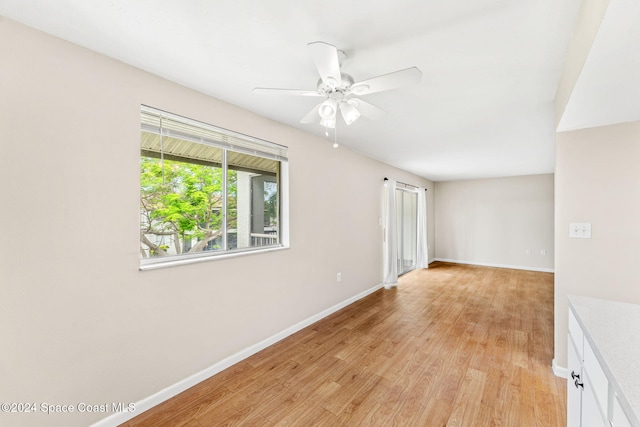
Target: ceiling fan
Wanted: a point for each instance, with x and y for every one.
(340, 91)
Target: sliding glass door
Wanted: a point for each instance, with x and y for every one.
(407, 221)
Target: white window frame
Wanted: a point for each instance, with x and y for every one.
(228, 141)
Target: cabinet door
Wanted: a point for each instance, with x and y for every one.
(619, 417)
(574, 394)
(591, 414)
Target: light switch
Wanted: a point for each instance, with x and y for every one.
(580, 230)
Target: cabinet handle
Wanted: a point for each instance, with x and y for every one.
(574, 375)
(578, 384)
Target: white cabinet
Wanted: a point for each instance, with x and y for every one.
(619, 419)
(603, 387)
(592, 416)
(587, 388)
(574, 393)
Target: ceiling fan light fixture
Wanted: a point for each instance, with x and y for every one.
(328, 123)
(328, 109)
(349, 112)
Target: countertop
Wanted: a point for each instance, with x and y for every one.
(613, 331)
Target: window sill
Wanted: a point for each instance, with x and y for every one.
(209, 257)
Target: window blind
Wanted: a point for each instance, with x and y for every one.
(169, 125)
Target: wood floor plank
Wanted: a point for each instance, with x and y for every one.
(468, 400)
(453, 345)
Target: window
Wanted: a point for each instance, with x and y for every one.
(206, 191)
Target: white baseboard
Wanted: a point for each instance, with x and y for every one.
(167, 393)
(484, 264)
(559, 371)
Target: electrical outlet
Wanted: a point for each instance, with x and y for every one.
(543, 252)
(339, 277)
(580, 230)
(528, 251)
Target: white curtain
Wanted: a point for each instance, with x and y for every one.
(390, 235)
(422, 260)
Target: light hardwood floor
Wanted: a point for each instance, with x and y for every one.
(453, 345)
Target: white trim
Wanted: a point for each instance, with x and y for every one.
(167, 393)
(484, 264)
(206, 257)
(559, 371)
(284, 204)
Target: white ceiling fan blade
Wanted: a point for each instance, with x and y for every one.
(325, 56)
(389, 81)
(349, 112)
(367, 109)
(312, 116)
(295, 92)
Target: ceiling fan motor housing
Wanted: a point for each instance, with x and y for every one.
(332, 87)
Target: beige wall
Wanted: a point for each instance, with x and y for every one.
(79, 322)
(597, 181)
(495, 221)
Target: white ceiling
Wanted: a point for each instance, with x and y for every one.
(608, 89)
(484, 107)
